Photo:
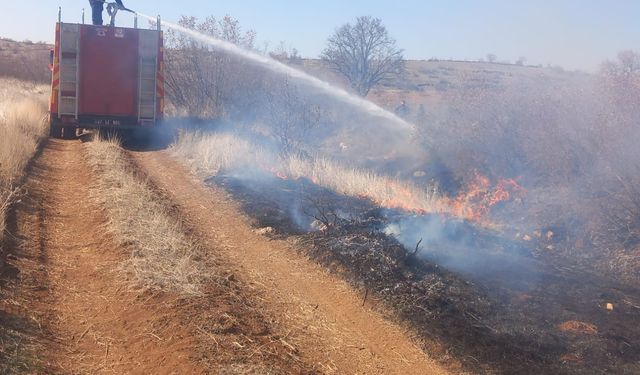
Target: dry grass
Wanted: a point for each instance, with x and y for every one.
(22, 127)
(208, 154)
(162, 256)
(25, 60)
(22, 111)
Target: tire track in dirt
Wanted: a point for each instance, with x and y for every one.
(89, 322)
(322, 315)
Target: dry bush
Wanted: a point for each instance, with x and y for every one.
(291, 116)
(617, 179)
(206, 83)
(518, 130)
(22, 127)
(203, 82)
(213, 153)
(25, 60)
(569, 143)
(162, 256)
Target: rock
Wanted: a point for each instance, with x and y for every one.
(264, 231)
(549, 235)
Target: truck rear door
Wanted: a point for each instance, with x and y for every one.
(108, 70)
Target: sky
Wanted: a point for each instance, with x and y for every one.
(574, 34)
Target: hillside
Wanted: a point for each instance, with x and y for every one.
(424, 82)
(432, 82)
(25, 60)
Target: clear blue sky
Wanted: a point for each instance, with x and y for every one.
(576, 34)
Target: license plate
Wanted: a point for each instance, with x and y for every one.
(106, 122)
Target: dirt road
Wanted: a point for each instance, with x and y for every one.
(88, 321)
(324, 315)
(72, 312)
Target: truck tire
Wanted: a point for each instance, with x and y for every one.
(55, 131)
(69, 132)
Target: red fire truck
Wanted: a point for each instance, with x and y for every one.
(105, 77)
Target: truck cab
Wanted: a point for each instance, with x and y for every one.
(105, 77)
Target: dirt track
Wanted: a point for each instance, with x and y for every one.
(80, 317)
(89, 322)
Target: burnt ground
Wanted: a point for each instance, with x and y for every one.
(514, 312)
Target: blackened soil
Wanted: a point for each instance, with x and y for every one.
(487, 320)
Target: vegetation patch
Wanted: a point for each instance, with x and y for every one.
(162, 256)
(22, 127)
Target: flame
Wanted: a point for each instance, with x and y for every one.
(400, 197)
(275, 171)
(475, 202)
(479, 197)
(281, 175)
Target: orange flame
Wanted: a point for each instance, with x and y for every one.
(281, 175)
(479, 197)
(474, 203)
(401, 198)
(275, 171)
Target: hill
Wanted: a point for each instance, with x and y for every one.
(424, 82)
(25, 60)
(431, 82)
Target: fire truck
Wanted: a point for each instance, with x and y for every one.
(105, 77)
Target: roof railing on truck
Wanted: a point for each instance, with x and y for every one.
(112, 10)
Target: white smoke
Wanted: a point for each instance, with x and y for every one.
(280, 68)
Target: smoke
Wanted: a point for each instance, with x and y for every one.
(258, 161)
(280, 68)
(260, 166)
(569, 139)
(543, 128)
(478, 253)
(568, 143)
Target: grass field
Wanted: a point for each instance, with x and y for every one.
(210, 154)
(22, 127)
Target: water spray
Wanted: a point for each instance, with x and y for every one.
(280, 68)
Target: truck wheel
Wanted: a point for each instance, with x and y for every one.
(55, 131)
(69, 132)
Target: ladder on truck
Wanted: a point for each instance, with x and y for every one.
(69, 70)
(147, 76)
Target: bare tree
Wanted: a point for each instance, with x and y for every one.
(623, 74)
(285, 54)
(291, 115)
(621, 94)
(491, 57)
(364, 54)
(201, 80)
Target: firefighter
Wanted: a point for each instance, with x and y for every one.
(403, 109)
(97, 6)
